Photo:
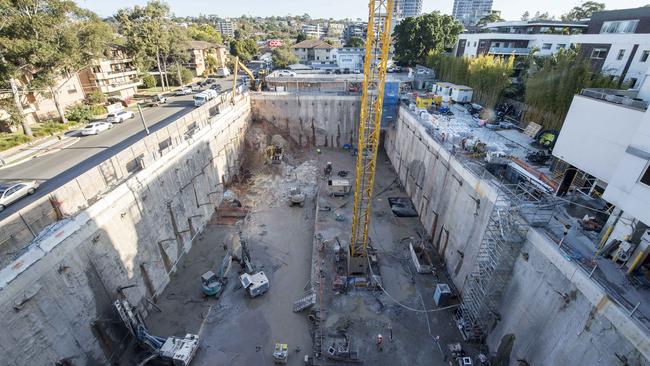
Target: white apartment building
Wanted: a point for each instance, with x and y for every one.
(606, 136)
(349, 58)
(313, 30)
(315, 52)
(226, 28)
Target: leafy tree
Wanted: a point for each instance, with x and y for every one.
(542, 16)
(283, 57)
(80, 113)
(583, 11)
(148, 81)
(554, 81)
(355, 42)
(488, 75)
(525, 16)
(490, 18)
(149, 34)
(210, 64)
(45, 43)
(186, 75)
(204, 32)
(245, 49)
(301, 37)
(95, 97)
(418, 37)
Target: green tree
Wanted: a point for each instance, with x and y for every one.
(45, 43)
(283, 57)
(355, 42)
(553, 82)
(525, 16)
(490, 18)
(211, 64)
(245, 49)
(204, 32)
(301, 37)
(418, 37)
(148, 81)
(149, 35)
(175, 70)
(583, 10)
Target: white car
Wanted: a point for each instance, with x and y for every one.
(285, 73)
(183, 91)
(10, 193)
(119, 117)
(95, 128)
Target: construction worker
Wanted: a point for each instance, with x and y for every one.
(318, 151)
(379, 340)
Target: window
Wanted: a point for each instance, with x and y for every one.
(560, 46)
(496, 44)
(644, 56)
(474, 43)
(598, 53)
(547, 46)
(621, 53)
(619, 26)
(632, 82)
(645, 178)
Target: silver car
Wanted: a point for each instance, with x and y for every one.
(119, 117)
(12, 192)
(95, 128)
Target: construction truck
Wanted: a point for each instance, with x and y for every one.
(296, 197)
(254, 282)
(212, 283)
(274, 154)
(174, 350)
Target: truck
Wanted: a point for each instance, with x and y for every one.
(254, 284)
(204, 96)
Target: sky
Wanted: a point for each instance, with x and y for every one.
(339, 9)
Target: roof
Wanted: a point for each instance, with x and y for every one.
(313, 43)
(200, 45)
(539, 22)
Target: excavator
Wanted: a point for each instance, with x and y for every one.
(256, 84)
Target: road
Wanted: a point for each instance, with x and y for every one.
(57, 168)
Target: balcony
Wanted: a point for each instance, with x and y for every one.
(509, 51)
(115, 87)
(627, 98)
(115, 74)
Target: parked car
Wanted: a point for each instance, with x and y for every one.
(12, 192)
(119, 117)
(210, 80)
(183, 91)
(285, 73)
(95, 128)
(216, 87)
(156, 100)
(356, 71)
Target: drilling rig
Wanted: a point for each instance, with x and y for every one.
(374, 79)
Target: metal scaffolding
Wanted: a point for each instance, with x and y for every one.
(516, 209)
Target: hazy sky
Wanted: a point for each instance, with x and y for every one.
(510, 9)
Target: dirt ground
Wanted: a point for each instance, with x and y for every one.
(419, 337)
(238, 330)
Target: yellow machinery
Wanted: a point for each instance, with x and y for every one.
(255, 84)
(374, 71)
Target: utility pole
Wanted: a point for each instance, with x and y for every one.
(142, 118)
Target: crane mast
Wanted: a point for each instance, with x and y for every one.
(374, 71)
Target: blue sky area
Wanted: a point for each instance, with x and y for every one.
(338, 9)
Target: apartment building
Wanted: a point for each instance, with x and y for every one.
(115, 75)
(41, 105)
(315, 52)
(407, 8)
(615, 42)
(198, 53)
(350, 58)
(315, 31)
(225, 27)
(355, 30)
(469, 12)
(335, 29)
(606, 140)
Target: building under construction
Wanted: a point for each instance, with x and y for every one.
(326, 227)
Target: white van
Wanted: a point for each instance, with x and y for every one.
(204, 96)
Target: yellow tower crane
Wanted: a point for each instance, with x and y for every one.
(374, 79)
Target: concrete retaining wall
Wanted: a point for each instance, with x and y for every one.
(551, 310)
(57, 296)
(453, 203)
(310, 120)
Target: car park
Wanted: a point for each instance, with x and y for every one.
(12, 192)
(95, 128)
(119, 117)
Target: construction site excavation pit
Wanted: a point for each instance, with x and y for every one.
(296, 245)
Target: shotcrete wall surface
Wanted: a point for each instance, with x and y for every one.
(310, 119)
(552, 313)
(56, 298)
